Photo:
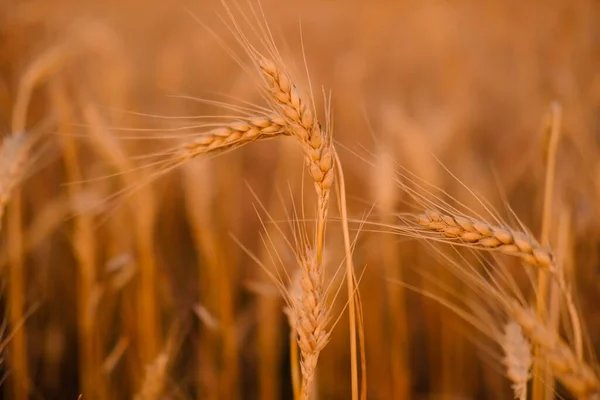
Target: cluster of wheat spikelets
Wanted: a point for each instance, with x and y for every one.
(293, 117)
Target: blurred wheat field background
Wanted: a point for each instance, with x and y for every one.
(458, 234)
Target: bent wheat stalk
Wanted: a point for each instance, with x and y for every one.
(484, 236)
(565, 361)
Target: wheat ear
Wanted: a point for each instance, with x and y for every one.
(575, 375)
(302, 124)
(233, 135)
(310, 320)
(483, 235)
(517, 358)
(13, 156)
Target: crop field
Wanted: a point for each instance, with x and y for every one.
(307, 200)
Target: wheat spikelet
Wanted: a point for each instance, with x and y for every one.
(233, 135)
(13, 156)
(302, 124)
(517, 359)
(309, 317)
(575, 375)
(483, 235)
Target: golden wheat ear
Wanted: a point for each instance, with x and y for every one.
(482, 235)
(231, 136)
(310, 315)
(517, 358)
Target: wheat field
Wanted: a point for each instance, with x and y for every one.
(318, 199)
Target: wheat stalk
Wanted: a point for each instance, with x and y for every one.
(517, 359)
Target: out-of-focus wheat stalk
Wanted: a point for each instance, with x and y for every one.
(216, 280)
(143, 214)
(86, 253)
(395, 318)
(13, 157)
(40, 69)
(544, 390)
